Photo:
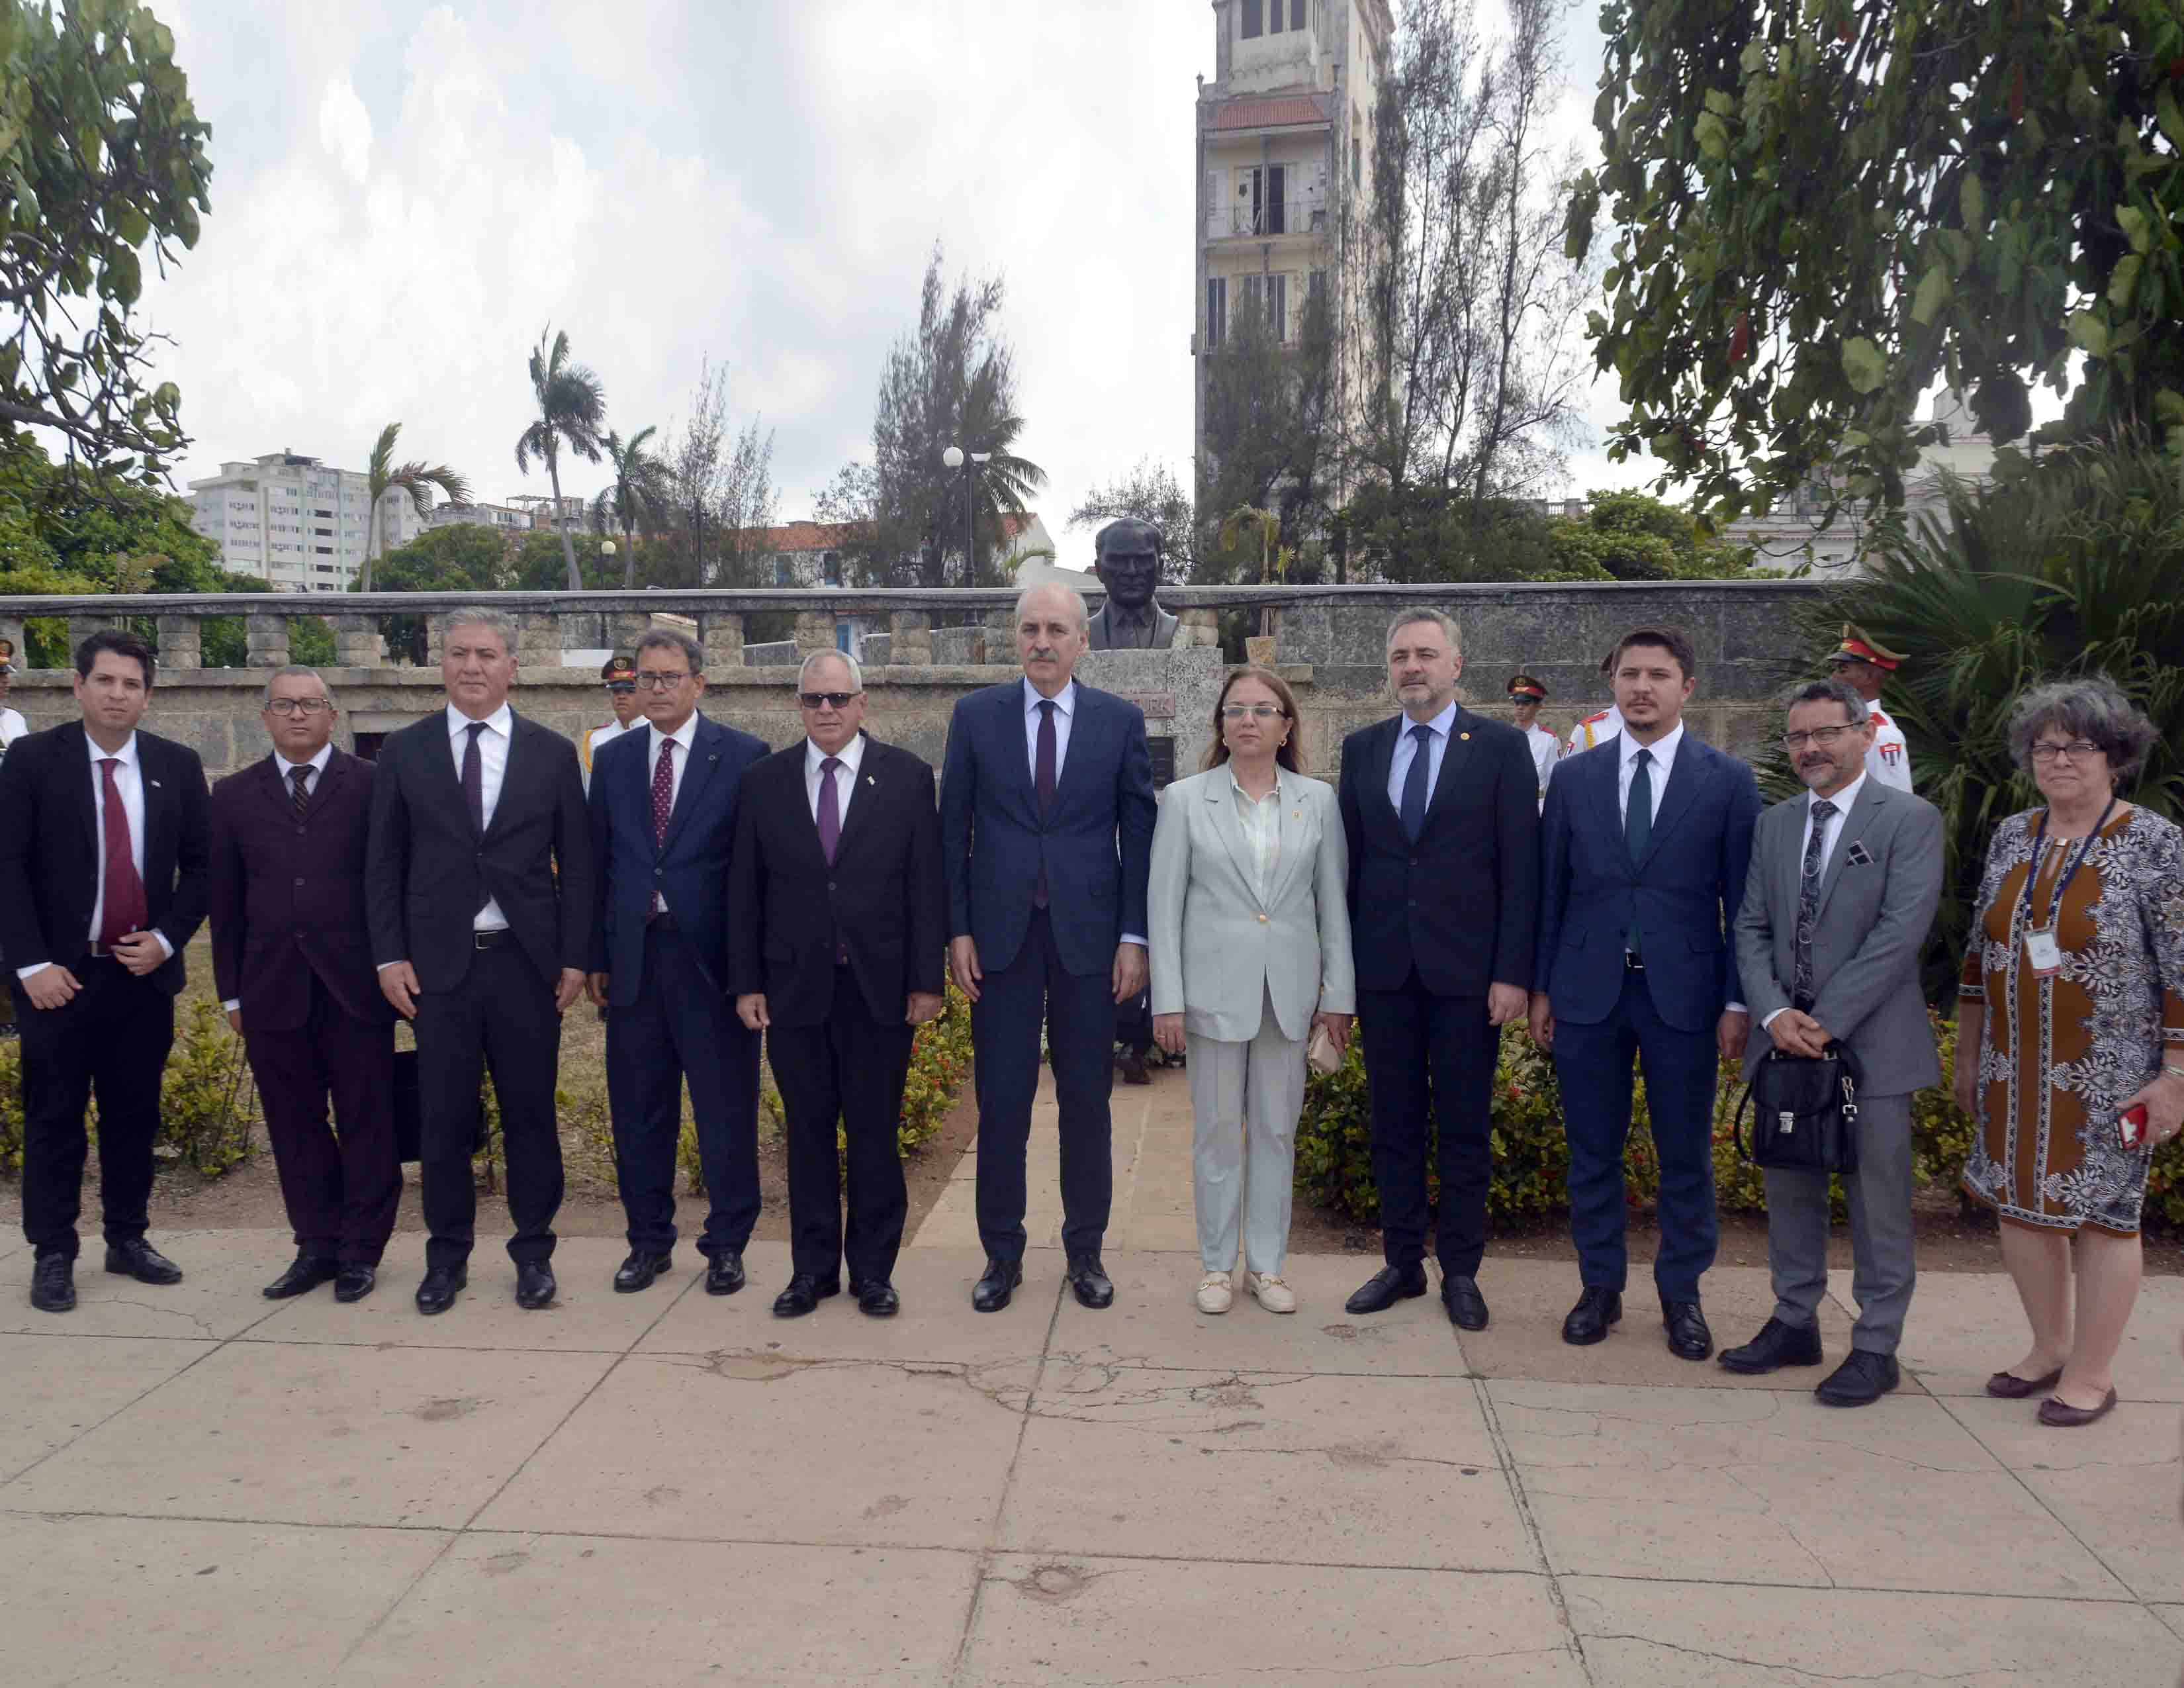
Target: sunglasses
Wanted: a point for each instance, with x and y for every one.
(827, 699)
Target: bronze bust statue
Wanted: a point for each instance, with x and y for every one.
(1127, 559)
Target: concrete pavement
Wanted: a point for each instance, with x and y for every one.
(200, 1486)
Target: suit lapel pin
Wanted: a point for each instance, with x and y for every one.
(1466, 736)
(156, 786)
(870, 782)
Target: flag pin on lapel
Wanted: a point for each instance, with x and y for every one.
(870, 782)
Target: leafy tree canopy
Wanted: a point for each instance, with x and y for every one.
(57, 534)
(1148, 493)
(101, 154)
(464, 556)
(1824, 208)
(1628, 536)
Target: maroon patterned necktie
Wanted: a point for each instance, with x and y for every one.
(121, 886)
(663, 792)
(1042, 777)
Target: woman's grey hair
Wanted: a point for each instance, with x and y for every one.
(1076, 599)
(856, 673)
(297, 670)
(2092, 707)
(472, 616)
(667, 638)
(1832, 692)
(1447, 624)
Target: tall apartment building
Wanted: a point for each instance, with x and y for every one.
(1285, 140)
(296, 522)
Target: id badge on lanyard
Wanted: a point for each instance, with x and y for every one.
(2043, 953)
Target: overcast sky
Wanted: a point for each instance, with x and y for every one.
(403, 194)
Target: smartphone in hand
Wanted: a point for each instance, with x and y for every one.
(2131, 1125)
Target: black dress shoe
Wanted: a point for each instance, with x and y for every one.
(304, 1274)
(1777, 1344)
(1466, 1307)
(724, 1273)
(1133, 1067)
(355, 1283)
(991, 1292)
(1689, 1338)
(52, 1283)
(534, 1287)
(138, 1259)
(1089, 1278)
(1386, 1287)
(804, 1293)
(1860, 1381)
(1588, 1321)
(637, 1272)
(441, 1285)
(876, 1298)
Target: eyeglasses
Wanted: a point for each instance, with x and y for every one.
(2077, 751)
(827, 699)
(1251, 711)
(649, 681)
(287, 706)
(1823, 737)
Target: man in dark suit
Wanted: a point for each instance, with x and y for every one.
(838, 926)
(478, 890)
(1440, 807)
(664, 800)
(292, 957)
(102, 883)
(1046, 826)
(1645, 844)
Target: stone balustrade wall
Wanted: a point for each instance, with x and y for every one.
(1330, 646)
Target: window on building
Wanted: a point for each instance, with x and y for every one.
(323, 550)
(1356, 148)
(1262, 199)
(1296, 14)
(1273, 17)
(830, 565)
(1276, 292)
(1216, 309)
(784, 572)
(1255, 17)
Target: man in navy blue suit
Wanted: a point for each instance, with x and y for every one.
(1046, 823)
(663, 806)
(1645, 843)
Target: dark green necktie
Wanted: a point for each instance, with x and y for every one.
(1638, 825)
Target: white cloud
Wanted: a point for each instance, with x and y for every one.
(404, 195)
(345, 129)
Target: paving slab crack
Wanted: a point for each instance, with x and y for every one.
(1908, 1677)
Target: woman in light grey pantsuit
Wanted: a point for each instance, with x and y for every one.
(1251, 950)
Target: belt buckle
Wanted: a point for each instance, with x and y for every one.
(487, 940)
(1631, 964)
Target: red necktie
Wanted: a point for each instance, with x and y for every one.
(663, 802)
(121, 886)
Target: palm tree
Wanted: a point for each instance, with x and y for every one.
(638, 492)
(572, 405)
(418, 481)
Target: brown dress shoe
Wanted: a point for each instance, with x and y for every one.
(2064, 1417)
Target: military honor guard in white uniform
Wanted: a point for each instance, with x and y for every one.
(1526, 695)
(620, 674)
(1865, 666)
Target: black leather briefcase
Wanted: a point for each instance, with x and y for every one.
(1804, 1112)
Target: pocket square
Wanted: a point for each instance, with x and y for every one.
(1858, 856)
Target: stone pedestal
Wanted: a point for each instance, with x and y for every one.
(181, 643)
(721, 632)
(357, 643)
(1175, 688)
(1199, 627)
(815, 632)
(81, 627)
(266, 639)
(910, 636)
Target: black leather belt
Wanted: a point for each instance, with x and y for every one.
(1632, 964)
(490, 940)
(665, 921)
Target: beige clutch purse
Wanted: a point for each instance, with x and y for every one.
(1321, 1053)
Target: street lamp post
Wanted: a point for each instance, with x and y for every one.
(956, 458)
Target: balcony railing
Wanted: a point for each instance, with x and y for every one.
(1296, 213)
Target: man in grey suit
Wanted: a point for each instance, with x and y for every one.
(1843, 886)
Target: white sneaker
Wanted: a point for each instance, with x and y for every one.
(1275, 1295)
(1214, 1295)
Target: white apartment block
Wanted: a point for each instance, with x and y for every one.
(505, 519)
(1285, 153)
(295, 521)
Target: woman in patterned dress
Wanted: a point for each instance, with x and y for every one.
(2070, 1011)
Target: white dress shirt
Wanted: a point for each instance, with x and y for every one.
(493, 765)
(12, 726)
(1664, 762)
(1407, 749)
(1842, 800)
(1065, 714)
(851, 756)
(684, 738)
(1260, 818)
(128, 781)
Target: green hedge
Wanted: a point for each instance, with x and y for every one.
(1531, 1155)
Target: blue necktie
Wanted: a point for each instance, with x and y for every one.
(1413, 812)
